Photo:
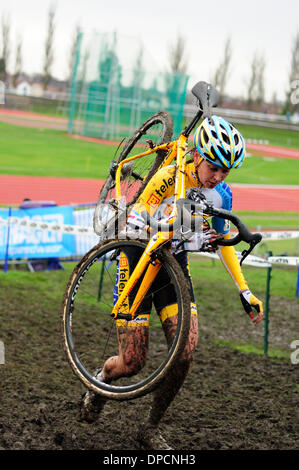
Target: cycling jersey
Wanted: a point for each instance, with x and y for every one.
(158, 197)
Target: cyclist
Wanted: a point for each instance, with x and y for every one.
(219, 147)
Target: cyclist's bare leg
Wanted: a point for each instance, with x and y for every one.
(165, 393)
(133, 348)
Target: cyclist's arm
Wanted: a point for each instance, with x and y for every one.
(153, 199)
(231, 263)
(229, 259)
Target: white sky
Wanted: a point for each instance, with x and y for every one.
(265, 26)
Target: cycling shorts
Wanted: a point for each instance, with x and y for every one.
(161, 294)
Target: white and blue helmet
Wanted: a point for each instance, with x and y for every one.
(220, 143)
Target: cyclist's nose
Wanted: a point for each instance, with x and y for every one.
(219, 176)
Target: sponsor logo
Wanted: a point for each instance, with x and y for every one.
(166, 183)
(123, 262)
(153, 200)
(167, 210)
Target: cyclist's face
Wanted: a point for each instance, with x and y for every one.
(210, 175)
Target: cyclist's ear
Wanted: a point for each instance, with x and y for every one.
(197, 158)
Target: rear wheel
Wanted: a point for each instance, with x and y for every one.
(136, 174)
(89, 332)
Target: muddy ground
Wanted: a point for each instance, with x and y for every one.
(230, 400)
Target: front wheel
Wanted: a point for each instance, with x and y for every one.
(136, 174)
(89, 332)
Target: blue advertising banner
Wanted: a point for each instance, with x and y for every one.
(25, 242)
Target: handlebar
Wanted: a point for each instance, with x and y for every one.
(244, 233)
(186, 208)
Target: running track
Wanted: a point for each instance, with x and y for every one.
(65, 191)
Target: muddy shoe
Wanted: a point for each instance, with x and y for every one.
(92, 403)
(149, 437)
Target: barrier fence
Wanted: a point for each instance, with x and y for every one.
(67, 232)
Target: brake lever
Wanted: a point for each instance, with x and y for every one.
(245, 253)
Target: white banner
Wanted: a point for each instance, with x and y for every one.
(51, 227)
(82, 230)
(250, 259)
(286, 260)
(283, 235)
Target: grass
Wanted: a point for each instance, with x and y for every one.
(283, 281)
(277, 220)
(251, 349)
(272, 221)
(279, 137)
(266, 170)
(37, 152)
(220, 311)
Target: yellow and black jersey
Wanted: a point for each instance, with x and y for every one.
(158, 197)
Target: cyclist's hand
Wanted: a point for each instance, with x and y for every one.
(249, 302)
(209, 239)
(204, 241)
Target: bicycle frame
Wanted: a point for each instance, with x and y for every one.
(178, 149)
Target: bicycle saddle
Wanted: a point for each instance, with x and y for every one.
(207, 96)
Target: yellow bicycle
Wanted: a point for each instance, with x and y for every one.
(101, 292)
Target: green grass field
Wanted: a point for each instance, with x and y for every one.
(35, 152)
(279, 137)
(53, 153)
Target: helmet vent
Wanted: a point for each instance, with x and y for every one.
(225, 138)
(205, 136)
(223, 153)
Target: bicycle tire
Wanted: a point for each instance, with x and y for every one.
(84, 321)
(138, 173)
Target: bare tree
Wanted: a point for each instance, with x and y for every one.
(260, 86)
(256, 85)
(73, 50)
(49, 48)
(178, 62)
(18, 61)
(220, 77)
(292, 103)
(5, 24)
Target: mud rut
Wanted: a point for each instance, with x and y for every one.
(229, 401)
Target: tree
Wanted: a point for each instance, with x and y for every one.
(221, 73)
(18, 61)
(73, 50)
(49, 48)
(256, 86)
(5, 24)
(292, 95)
(178, 63)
